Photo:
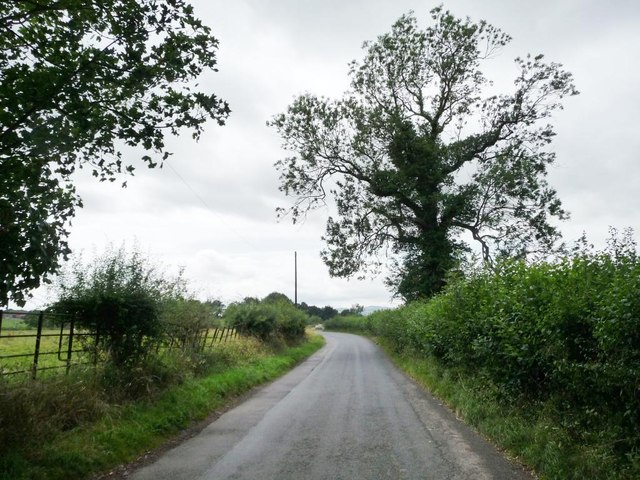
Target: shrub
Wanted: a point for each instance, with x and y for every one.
(185, 320)
(290, 322)
(313, 320)
(563, 334)
(271, 319)
(252, 319)
(347, 323)
(120, 295)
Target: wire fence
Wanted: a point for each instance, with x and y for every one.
(34, 342)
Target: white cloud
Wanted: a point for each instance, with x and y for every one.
(218, 220)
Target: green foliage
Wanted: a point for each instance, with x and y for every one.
(188, 312)
(561, 337)
(355, 311)
(273, 318)
(324, 313)
(34, 209)
(313, 320)
(11, 323)
(252, 319)
(526, 431)
(185, 319)
(392, 150)
(120, 295)
(348, 323)
(48, 321)
(37, 409)
(276, 297)
(216, 307)
(81, 81)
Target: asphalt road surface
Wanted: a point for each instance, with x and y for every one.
(345, 413)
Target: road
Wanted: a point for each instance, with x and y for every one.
(345, 413)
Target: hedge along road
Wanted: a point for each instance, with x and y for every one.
(345, 413)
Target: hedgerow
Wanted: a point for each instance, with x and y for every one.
(563, 336)
(347, 323)
(121, 295)
(271, 319)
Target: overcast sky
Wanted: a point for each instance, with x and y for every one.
(211, 210)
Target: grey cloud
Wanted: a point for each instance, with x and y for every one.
(271, 51)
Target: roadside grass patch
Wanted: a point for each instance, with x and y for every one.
(122, 432)
(528, 433)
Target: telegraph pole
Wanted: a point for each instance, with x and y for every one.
(295, 277)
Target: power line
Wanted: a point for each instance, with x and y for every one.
(241, 237)
(212, 211)
(190, 187)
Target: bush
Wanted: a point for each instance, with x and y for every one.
(252, 319)
(565, 335)
(313, 320)
(271, 319)
(347, 323)
(120, 295)
(185, 320)
(290, 322)
(34, 412)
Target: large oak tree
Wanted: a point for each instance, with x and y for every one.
(416, 153)
(80, 82)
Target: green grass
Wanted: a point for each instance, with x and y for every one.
(13, 323)
(525, 431)
(13, 344)
(125, 432)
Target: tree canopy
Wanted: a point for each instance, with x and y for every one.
(81, 82)
(420, 158)
(324, 313)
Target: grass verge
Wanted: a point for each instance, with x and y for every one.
(124, 432)
(526, 432)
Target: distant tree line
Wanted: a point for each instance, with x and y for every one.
(327, 312)
(324, 313)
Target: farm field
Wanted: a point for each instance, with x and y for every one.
(20, 346)
(14, 323)
(52, 351)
